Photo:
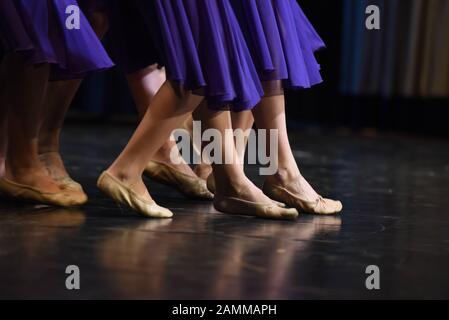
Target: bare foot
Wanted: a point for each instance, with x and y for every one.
(35, 178)
(166, 155)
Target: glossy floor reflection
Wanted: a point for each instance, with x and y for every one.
(395, 193)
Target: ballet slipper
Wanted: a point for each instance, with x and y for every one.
(233, 205)
(320, 206)
(73, 188)
(211, 188)
(28, 193)
(67, 183)
(122, 194)
(192, 187)
(64, 182)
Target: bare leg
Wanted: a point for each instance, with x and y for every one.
(167, 112)
(144, 85)
(270, 114)
(57, 101)
(230, 180)
(242, 120)
(24, 94)
(202, 169)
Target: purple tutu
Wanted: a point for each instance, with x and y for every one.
(282, 41)
(37, 30)
(204, 50)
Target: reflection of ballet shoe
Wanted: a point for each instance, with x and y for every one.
(122, 194)
(238, 206)
(320, 206)
(60, 217)
(192, 187)
(28, 193)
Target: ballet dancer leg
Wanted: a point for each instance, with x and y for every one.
(167, 165)
(235, 193)
(244, 121)
(25, 177)
(288, 185)
(201, 169)
(59, 96)
(123, 179)
(57, 101)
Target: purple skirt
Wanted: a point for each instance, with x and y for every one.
(37, 30)
(282, 41)
(203, 49)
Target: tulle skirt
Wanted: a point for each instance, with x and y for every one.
(37, 30)
(282, 42)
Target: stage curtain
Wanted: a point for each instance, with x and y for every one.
(408, 56)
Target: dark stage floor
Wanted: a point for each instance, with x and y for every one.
(396, 197)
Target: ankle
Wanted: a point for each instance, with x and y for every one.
(17, 172)
(48, 142)
(124, 176)
(284, 176)
(230, 185)
(164, 152)
(203, 171)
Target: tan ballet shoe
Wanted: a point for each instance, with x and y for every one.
(190, 186)
(233, 205)
(28, 193)
(211, 187)
(321, 206)
(72, 187)
(67, 183)
(122, 194)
